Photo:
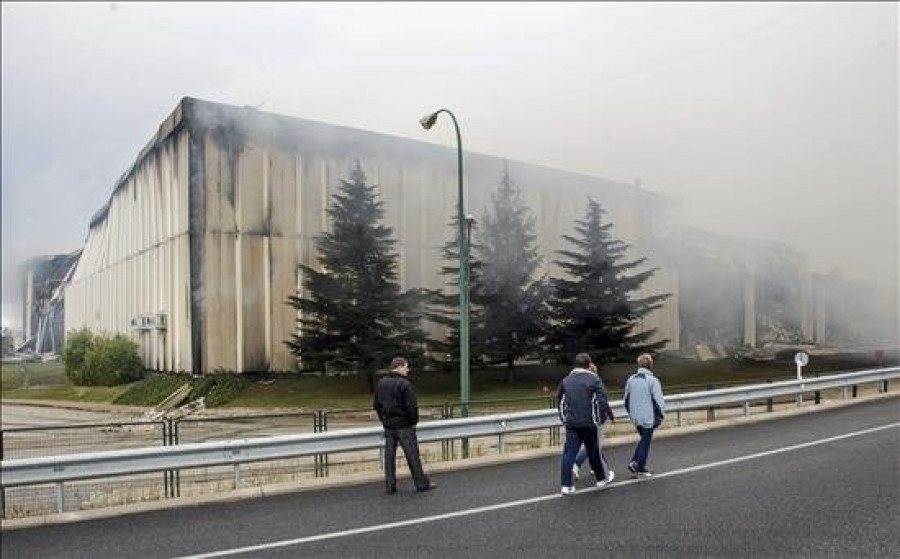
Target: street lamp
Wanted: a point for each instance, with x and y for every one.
(427, 122)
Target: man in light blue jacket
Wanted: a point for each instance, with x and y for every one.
(646, 407)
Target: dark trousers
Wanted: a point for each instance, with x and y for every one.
(410, 443)
(575, 437)
(582, 456)
(642, 450)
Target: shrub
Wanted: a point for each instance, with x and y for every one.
(97, 360)
(217, 389)
(152, 390)
(77, 345)
(112, 361)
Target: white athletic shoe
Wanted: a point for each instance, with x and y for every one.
(576, 471)
(610, 475)
(567, 490)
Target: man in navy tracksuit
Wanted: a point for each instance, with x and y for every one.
(581, 399)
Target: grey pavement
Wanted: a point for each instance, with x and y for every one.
(836, 499)
(15, 414)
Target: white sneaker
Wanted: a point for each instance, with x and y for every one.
(576, 471)
(567, 490)
(610, 475)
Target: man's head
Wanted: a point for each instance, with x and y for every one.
(582, 360)
(645, 360)
(399, 365)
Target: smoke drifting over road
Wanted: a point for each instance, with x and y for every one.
(773, 122)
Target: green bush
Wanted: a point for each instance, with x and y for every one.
(101, 361)
(77, 345)
(152, 390)
(217, 389)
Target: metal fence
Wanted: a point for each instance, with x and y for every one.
(32, 442)
(203, 455)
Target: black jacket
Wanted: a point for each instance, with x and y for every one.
(396, 402)
(582, 400)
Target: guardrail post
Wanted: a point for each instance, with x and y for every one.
(710, 411)
(746, 408)
(445, 444)
(317, 428)
(555, 435)
(176, 479)
(769, 401)
(324, 456)
(60, 497)
(171, 478)
(884, 386)
(2, 489)
(237, 476)
(817, 397)
(853, 391)
(678, 418)
(165, 442)
(464, 443)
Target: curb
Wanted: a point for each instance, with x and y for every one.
(124, 409)
(440, 467)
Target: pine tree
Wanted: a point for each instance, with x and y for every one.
(511, 297)
(444, 309)
(353, 314)
(590, 310)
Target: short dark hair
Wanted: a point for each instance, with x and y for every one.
(645, 360)
(398, 362)
(583, 361)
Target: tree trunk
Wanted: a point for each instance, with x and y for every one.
(510, 370)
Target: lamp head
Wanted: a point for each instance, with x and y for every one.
(428, 120)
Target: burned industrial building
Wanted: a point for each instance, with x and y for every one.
(43, 318)
(197, 250)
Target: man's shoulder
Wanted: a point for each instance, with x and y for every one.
(392, 379)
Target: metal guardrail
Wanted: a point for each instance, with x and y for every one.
(59, 469)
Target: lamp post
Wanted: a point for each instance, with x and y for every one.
(427, 122)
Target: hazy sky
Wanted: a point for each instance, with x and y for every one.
(767, 120)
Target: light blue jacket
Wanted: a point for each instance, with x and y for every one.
(644, 399)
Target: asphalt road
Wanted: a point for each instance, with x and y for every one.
(14, 415)
(819, 485)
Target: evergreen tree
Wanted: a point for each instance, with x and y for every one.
(353, 314)
(444, 308)
(511, 297)
(590, 310)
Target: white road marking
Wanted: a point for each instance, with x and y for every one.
(510, 504)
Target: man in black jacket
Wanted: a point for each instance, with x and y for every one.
(581, 398)
(398, 409)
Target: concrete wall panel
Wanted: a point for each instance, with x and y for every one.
(251, 292)
(134, 259)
